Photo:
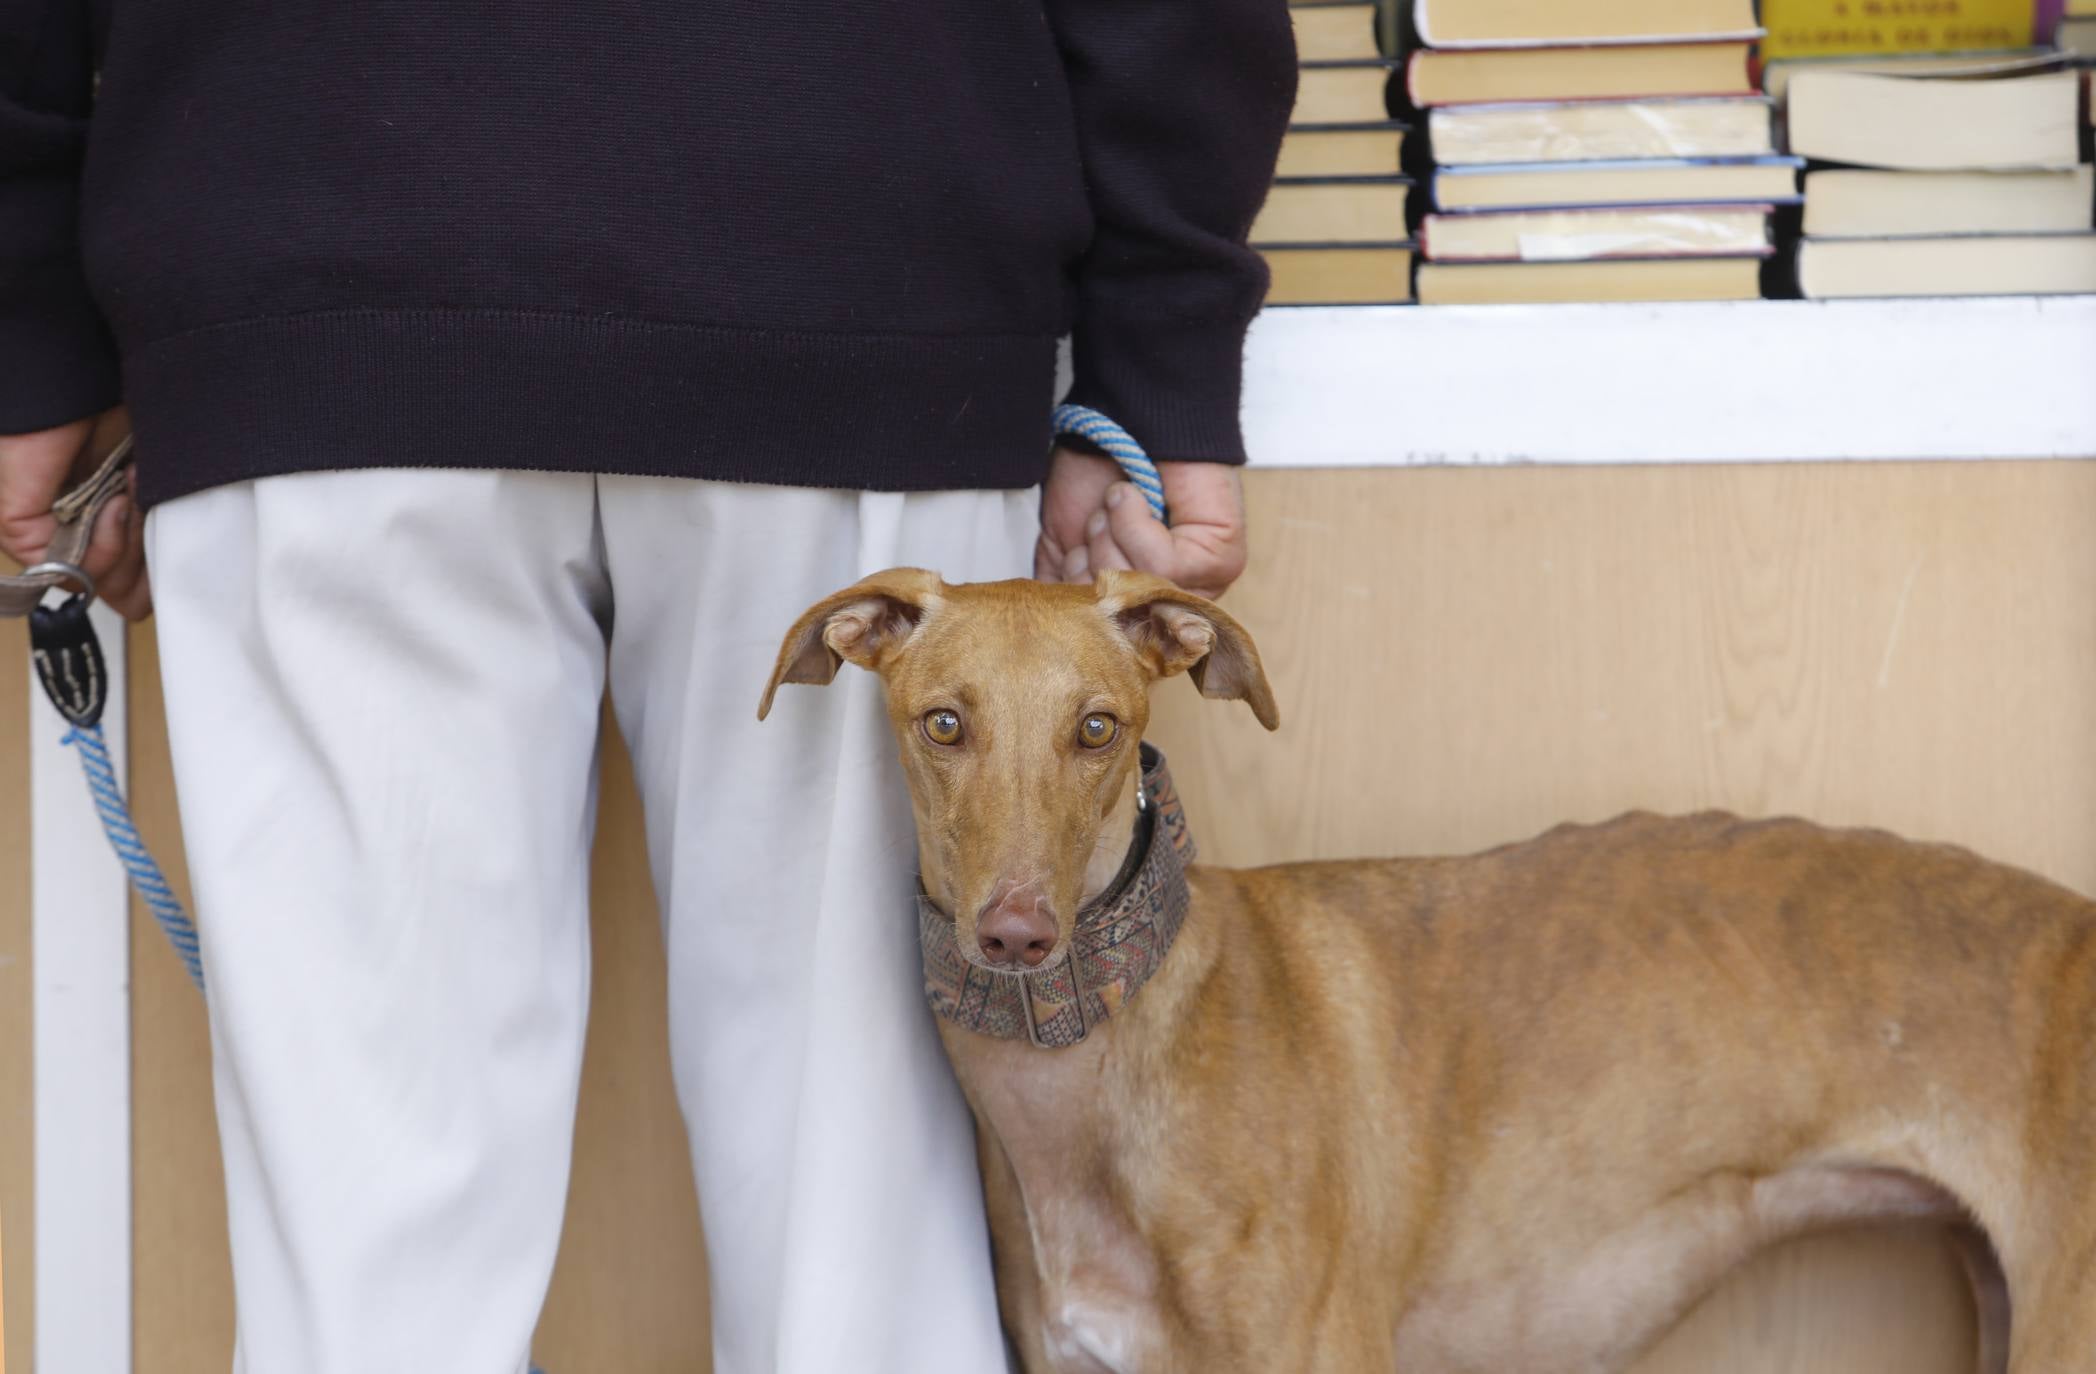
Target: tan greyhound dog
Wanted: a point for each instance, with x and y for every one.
(1508, 1112)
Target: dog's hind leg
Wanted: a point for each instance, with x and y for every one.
(2052, 1286)
(2052, 1264)
(1598, 1309)
(2057, 1333)
(2054, 1295)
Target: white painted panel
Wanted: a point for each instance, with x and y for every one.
(2002, 377)
(80, 945)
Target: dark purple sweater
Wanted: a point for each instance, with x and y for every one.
(820, 242)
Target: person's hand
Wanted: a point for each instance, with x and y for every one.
(1093, 517)
(35, 470)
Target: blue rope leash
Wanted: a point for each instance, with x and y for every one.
(1120, 445)
(131, 851)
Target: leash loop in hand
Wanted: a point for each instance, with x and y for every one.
(1119, 445)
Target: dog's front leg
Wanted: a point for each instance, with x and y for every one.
(1011, 1244)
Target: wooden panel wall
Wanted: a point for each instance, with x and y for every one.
(1463, 657)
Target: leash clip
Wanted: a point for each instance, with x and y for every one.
(1033, 1017)
(68, 655)
(70, 572)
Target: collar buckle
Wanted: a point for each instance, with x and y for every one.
(1077, 990)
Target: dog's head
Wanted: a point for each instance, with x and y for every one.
(1018, 707)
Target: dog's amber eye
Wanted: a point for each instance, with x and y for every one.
(942, 727)
(1096, 730)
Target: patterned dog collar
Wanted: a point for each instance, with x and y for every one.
(1120, 940)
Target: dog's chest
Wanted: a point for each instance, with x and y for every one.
(1098, 1283)
(1095, 1274)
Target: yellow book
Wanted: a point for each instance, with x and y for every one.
(1334, 32)
(1820, 28)
(1333, 212)
(1378, 274)
(1351, 94)
(1369, 150)
(1618, 279)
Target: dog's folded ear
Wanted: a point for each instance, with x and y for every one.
(865, 623)
(1175, 631)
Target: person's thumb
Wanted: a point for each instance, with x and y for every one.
(1141, 536)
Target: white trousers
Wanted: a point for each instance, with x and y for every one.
(382, 691)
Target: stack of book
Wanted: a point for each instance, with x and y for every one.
(1941, 175)
(1603, 150)
(1334, 227)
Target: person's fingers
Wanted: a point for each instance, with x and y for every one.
(1075, 487)
(1209, 573)
(105, 547)
(1143, 539)
(33, 471)
(1047, 558)
(1100, 547)
(125, 586)
(1208, 525)
(1092, 518)
(118, 586)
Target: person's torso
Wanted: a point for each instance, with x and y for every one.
(890, 167)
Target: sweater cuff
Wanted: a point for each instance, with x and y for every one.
(57, 360)
(1171, 383)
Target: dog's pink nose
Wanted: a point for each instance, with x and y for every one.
(1015, 928)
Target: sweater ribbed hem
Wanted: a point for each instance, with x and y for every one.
(1172, 383)
(550, 392)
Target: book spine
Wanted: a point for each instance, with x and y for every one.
(1748, 77)
(1842, 28)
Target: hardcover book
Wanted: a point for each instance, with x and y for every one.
(1983, 265)
(1607, 279)
(1626, 232)
(1343, 150)
(1936, 123)
(1504, 23)
(1652, 181)
(1871, 204)
(1611, 72)
(1776, 76)
(1334, 33)
(1369, 274)
(1805, 28)
(1586, 131)
(1325, 212)
(1354, 93)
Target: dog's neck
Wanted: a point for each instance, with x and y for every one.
(1119, 834)
(1120, 940)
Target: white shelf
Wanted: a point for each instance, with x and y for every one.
(1996, 377)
